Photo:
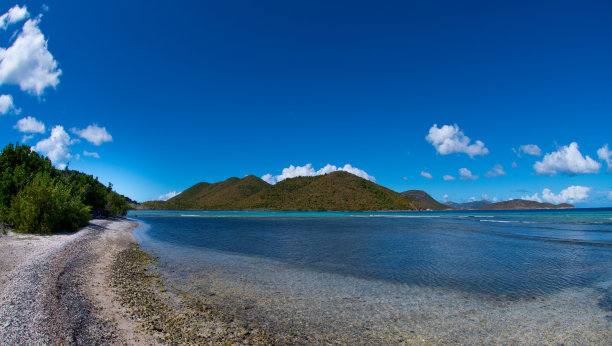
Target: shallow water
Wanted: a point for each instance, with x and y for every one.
(394, 276)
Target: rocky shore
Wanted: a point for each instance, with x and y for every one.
(55, 289)
(96, 286)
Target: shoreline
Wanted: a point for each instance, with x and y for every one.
(96, 286)
(55, 289)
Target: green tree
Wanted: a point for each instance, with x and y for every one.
(116, 204)
(18, 166)
(47, 206)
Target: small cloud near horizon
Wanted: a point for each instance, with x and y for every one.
(604, 154)
(496, 171)
(308, 171)
(573, 194)
(167, 196)
(465, 174)
(567, 160)
(426, 175)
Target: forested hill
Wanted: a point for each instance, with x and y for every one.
(425, 200)
(339, 191)
(524, 204)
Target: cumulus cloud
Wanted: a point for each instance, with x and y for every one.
(450, 139)
(448, 177)
(465, 174)
(572, 194)
(15, 15)
(56, 147)
(30, 125)
(445, 197)
(167, 196)
(426, 175)
(530, 149)
(6, 105)
(567, 160)
(88, 154)
(496, 171)
(26, 138)
(308, 171)
(605, 154)
(28, 63)
(93, 134)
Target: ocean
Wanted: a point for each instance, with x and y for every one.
(393, 277)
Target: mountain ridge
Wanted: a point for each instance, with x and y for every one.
(517, 204)
(425, 199)
(336, 191)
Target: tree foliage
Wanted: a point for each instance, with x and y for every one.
(35, 197)
(46, 206)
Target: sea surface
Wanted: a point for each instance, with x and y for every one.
(367, 277)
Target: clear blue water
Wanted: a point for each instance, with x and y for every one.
(514, 254)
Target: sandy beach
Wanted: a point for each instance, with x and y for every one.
(55, 289)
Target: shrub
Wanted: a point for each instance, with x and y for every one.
(46, 206)
(116, 204)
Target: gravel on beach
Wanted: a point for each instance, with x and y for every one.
(49, 293)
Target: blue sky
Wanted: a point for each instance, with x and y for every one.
(157, 96)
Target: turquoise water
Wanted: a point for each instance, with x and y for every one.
(317, 264)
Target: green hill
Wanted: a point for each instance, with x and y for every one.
(425, 200)
(469, 205)
(339, 191)
(524, 204)
(233, 193)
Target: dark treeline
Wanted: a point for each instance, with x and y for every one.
(37, 198)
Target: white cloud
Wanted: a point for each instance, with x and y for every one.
(56, 147)
(605, 154)
(426, 175)
(514, 165)
(445, 197)
(26, 138)
(572, 194)
(465, 174)
(496, 171)
(448, 177)
(28, 62)
(88, 154)
(167, 196)
(30, 125)
(94, 134)
(568, 160)
(308, 171)
(450, 139)
(15, 15)
(6, 105)
(534, 197)
(405, 178)
(530, 149)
